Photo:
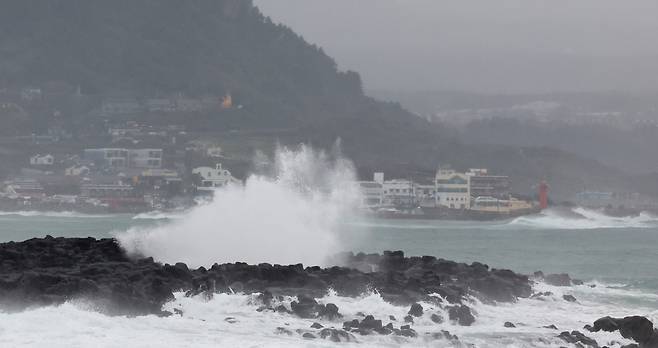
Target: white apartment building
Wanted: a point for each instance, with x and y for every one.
(452, 189)
(399, 192)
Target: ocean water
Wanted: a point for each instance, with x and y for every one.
(617, 258)
(304, 212)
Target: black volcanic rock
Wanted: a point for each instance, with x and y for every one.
(577, 337)
(569, 298)
(462, 315)
(416, 310)
(561, 279)
(49, 270)
(637, 328)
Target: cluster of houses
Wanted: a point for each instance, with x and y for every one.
(116, 179)
(474, 190)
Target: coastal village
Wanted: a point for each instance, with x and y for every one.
(141, 155)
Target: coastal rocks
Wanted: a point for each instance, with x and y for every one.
(445, 335)
(405, 280)
(461, 314)
(561, 279)
(305, 307)
(369, 325)
(335, 335)
(637, 328)
(46, 271)
(308, 308)
(577, 337)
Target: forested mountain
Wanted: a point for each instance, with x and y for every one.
(212, 47)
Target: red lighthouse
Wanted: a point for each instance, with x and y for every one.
(543, 195)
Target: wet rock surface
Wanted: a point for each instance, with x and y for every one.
(45, 271)
(461, 314)
(577, 337)
(637, 328)
(51, 270)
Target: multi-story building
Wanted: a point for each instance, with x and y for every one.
(145, 158)
(125, 158)
(24, 187)
(484, 185)
(452, 189)
(400, 192)
(372, 194)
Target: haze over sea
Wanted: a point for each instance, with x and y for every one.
(614, 256)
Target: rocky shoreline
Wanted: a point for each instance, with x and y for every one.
(50, 271)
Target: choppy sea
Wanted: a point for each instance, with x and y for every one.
(616, 257)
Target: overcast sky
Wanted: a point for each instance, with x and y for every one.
(484, 45)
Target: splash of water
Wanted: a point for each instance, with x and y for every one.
(582, 218)
(289, 218)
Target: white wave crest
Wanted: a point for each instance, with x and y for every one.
(159, 215)
(581, 218)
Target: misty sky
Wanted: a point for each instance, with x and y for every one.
(484, 45)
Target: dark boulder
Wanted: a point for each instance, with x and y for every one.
(335, 335)
(416, 310)
(569, 298)
(461, 314)
(561, 279)
(308, 336)
(370, 323)
(329, 311)
(436, 318)
(405, 331)
(576, 337)
(305, 307)
(637, 328)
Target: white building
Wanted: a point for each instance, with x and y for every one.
(399, 192)
(145, 158)
(452, 189)
(76, 171)
(212, 178)
(372, 194)
(39, 160)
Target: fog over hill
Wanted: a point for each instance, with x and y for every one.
(508, 46)
(153, 48)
